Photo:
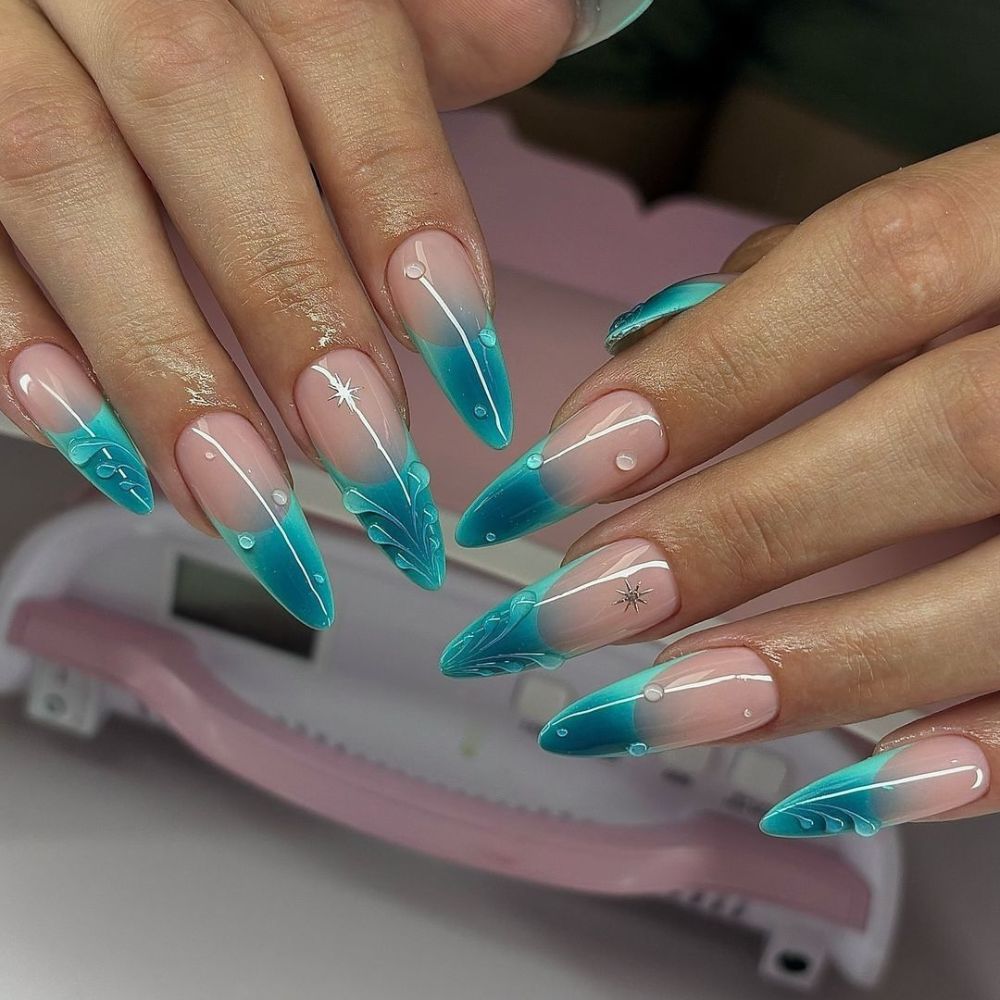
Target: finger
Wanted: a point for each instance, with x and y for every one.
(400, 203)
(78, 208)
(756, 247)
(203, 108)
(876, 273)
(910, 455)
(919, 640)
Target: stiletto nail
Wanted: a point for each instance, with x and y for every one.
(352, 419)
(673, 300)
(610, 594)
(68, 409)
(703, 697)
(598, 20)
(244, 493)
(923, 778)
(438, 298)
(597, 452)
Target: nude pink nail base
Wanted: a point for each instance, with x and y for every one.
(68, 409)
(615, 592)
(352, 419)
(702, 697)
(921, 779)
(244, 493)
(601, 449)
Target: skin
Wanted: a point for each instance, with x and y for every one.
(871, 283)
(113, 111)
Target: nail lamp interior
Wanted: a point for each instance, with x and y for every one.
(104, 614)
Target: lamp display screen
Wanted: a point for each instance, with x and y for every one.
(237, 604)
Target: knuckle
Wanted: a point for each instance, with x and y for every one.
(755, 531)
(905, 241)
(319, 24)
(964, 390)
(48, 128)
(164, 50)
(280, 273)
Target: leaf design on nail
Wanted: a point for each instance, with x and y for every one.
(830, 818)
(110, 459)
(484, 650)
(411, 540)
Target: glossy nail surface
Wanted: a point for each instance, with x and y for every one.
(438, 298)
(610, 443)
(70, 411)
(598, 20)
(923, 778)
(353, 421)
(671, 301)
(703, 697)
(245, 494)
(619, 590)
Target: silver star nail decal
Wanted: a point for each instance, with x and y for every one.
(632, 597)
(343, 392)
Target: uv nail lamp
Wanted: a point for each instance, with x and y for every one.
(104, 614)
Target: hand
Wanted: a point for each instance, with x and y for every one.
(870, 277)
(214, 110)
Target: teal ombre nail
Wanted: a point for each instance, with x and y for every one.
(244, 493)
(596, 453)
(703, 697)
(919, 779)
(671, 301)
(438, 297)
(598, 20)
(353, 421)
(605, 596)
(67, 407)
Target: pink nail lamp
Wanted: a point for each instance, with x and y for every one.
(106, 614)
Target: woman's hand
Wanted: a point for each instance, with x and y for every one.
(869, 278)
(215, 109)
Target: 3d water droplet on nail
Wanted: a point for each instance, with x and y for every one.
(280, 497)
(319, 578)
(479, 410)
(652, 692)
(488, 338)
(637, 749)
(747, 713)
(491, 536)
(415, 270)
(562, 732)
(246, 541)
(209, 455)
(534, 461)
(625, 461)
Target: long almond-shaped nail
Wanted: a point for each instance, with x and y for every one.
(671, 301)
(921, 779)
(703, 697)
(353, 421)
(245, 494)
(615, 592)
(600, 450)
(441, 304)
(68, 409)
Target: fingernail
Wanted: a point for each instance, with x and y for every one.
(607, 595)
(244, 493)
(703, 697)
(70, 411)
(918, 780)
(598, 20)
(674, 299)
(600, 450)
(353, 421)
(438, 298)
